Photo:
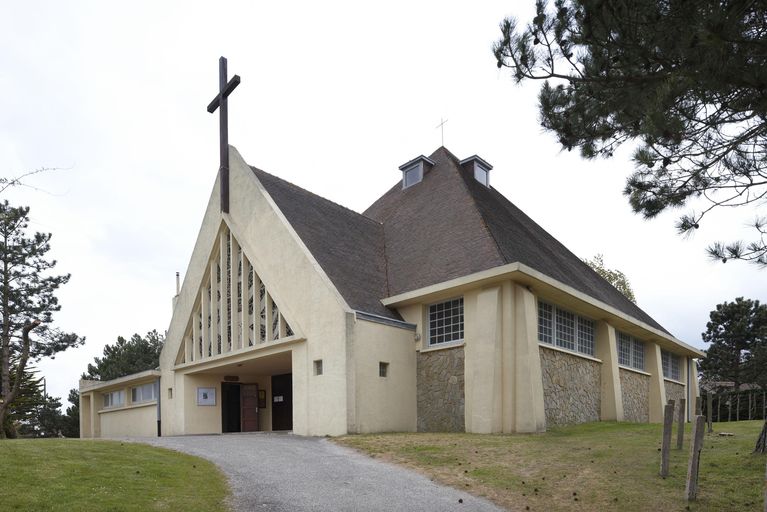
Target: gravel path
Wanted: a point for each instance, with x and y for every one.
(283, 472)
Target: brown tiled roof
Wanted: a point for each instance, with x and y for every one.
(445, 227)
(450, 225)
(348, 246)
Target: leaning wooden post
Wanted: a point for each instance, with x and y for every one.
(698, 406)
(710, 411)
(680, 425)
(691, 490)
(668, 421)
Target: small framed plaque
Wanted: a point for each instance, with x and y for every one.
(206, 396)
(261, 398)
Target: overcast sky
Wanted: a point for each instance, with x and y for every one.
(334, 97)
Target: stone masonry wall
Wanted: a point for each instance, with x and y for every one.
(635, 391)
(440, 391)
(674, 392)
(571, 388)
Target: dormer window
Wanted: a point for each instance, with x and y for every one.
(413, 171)
(479, 168)
(482, 175)
(412, 175)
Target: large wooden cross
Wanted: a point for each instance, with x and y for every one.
(224, 90)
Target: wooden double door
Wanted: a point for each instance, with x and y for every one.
(242, 412)
(239, 407)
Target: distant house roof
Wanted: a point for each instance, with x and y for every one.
(445, 227)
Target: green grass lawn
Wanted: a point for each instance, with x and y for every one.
(596, 466)
(72, 475)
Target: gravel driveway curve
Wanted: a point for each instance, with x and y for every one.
(283, 472)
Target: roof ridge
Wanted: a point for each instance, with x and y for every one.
(254, 168)
(478, 209)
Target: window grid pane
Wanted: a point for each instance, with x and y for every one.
(565, 329)
(585, 336)
(545, 327)
(638, 354)
(624, 349)
(446, 322)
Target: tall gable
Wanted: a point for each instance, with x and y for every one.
(348, 246)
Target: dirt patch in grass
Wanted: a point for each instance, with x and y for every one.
(597, 466)
(64, 475)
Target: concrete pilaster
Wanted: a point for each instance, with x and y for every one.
(654, 367)
(484, 364)
(611, 395)
(529, 412)
(507, 354)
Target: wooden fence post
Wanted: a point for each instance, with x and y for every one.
(718, 408)
(709, 411)
(691, 489)
(668, 421)
(680, 425)
(698, 406)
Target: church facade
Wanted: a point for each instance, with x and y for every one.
(442, 307)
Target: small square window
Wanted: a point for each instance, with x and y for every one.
(318, 367)
(383, 369)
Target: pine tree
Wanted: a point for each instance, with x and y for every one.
(737, 332)
(71, 421)
(27, 303)
(127, 356)
(684, 81)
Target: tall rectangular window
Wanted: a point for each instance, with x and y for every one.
(630, 351)
(545, 322)
(671, 365)
(562, 328)
(585, 335)
(446, 322)
(565, 329)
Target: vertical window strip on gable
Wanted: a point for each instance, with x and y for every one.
(235, 310)
(446, 322)
(562, 328)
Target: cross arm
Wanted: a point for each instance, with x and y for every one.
(233, 83)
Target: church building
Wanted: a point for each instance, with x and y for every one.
(442, 307)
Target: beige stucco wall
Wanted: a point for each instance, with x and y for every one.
(129, 419)
(305, 296)
(206, 419)
(635, 393)
(384, 404)
(134, 421)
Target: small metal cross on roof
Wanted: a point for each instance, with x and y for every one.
(224, 90)
(441, 126)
